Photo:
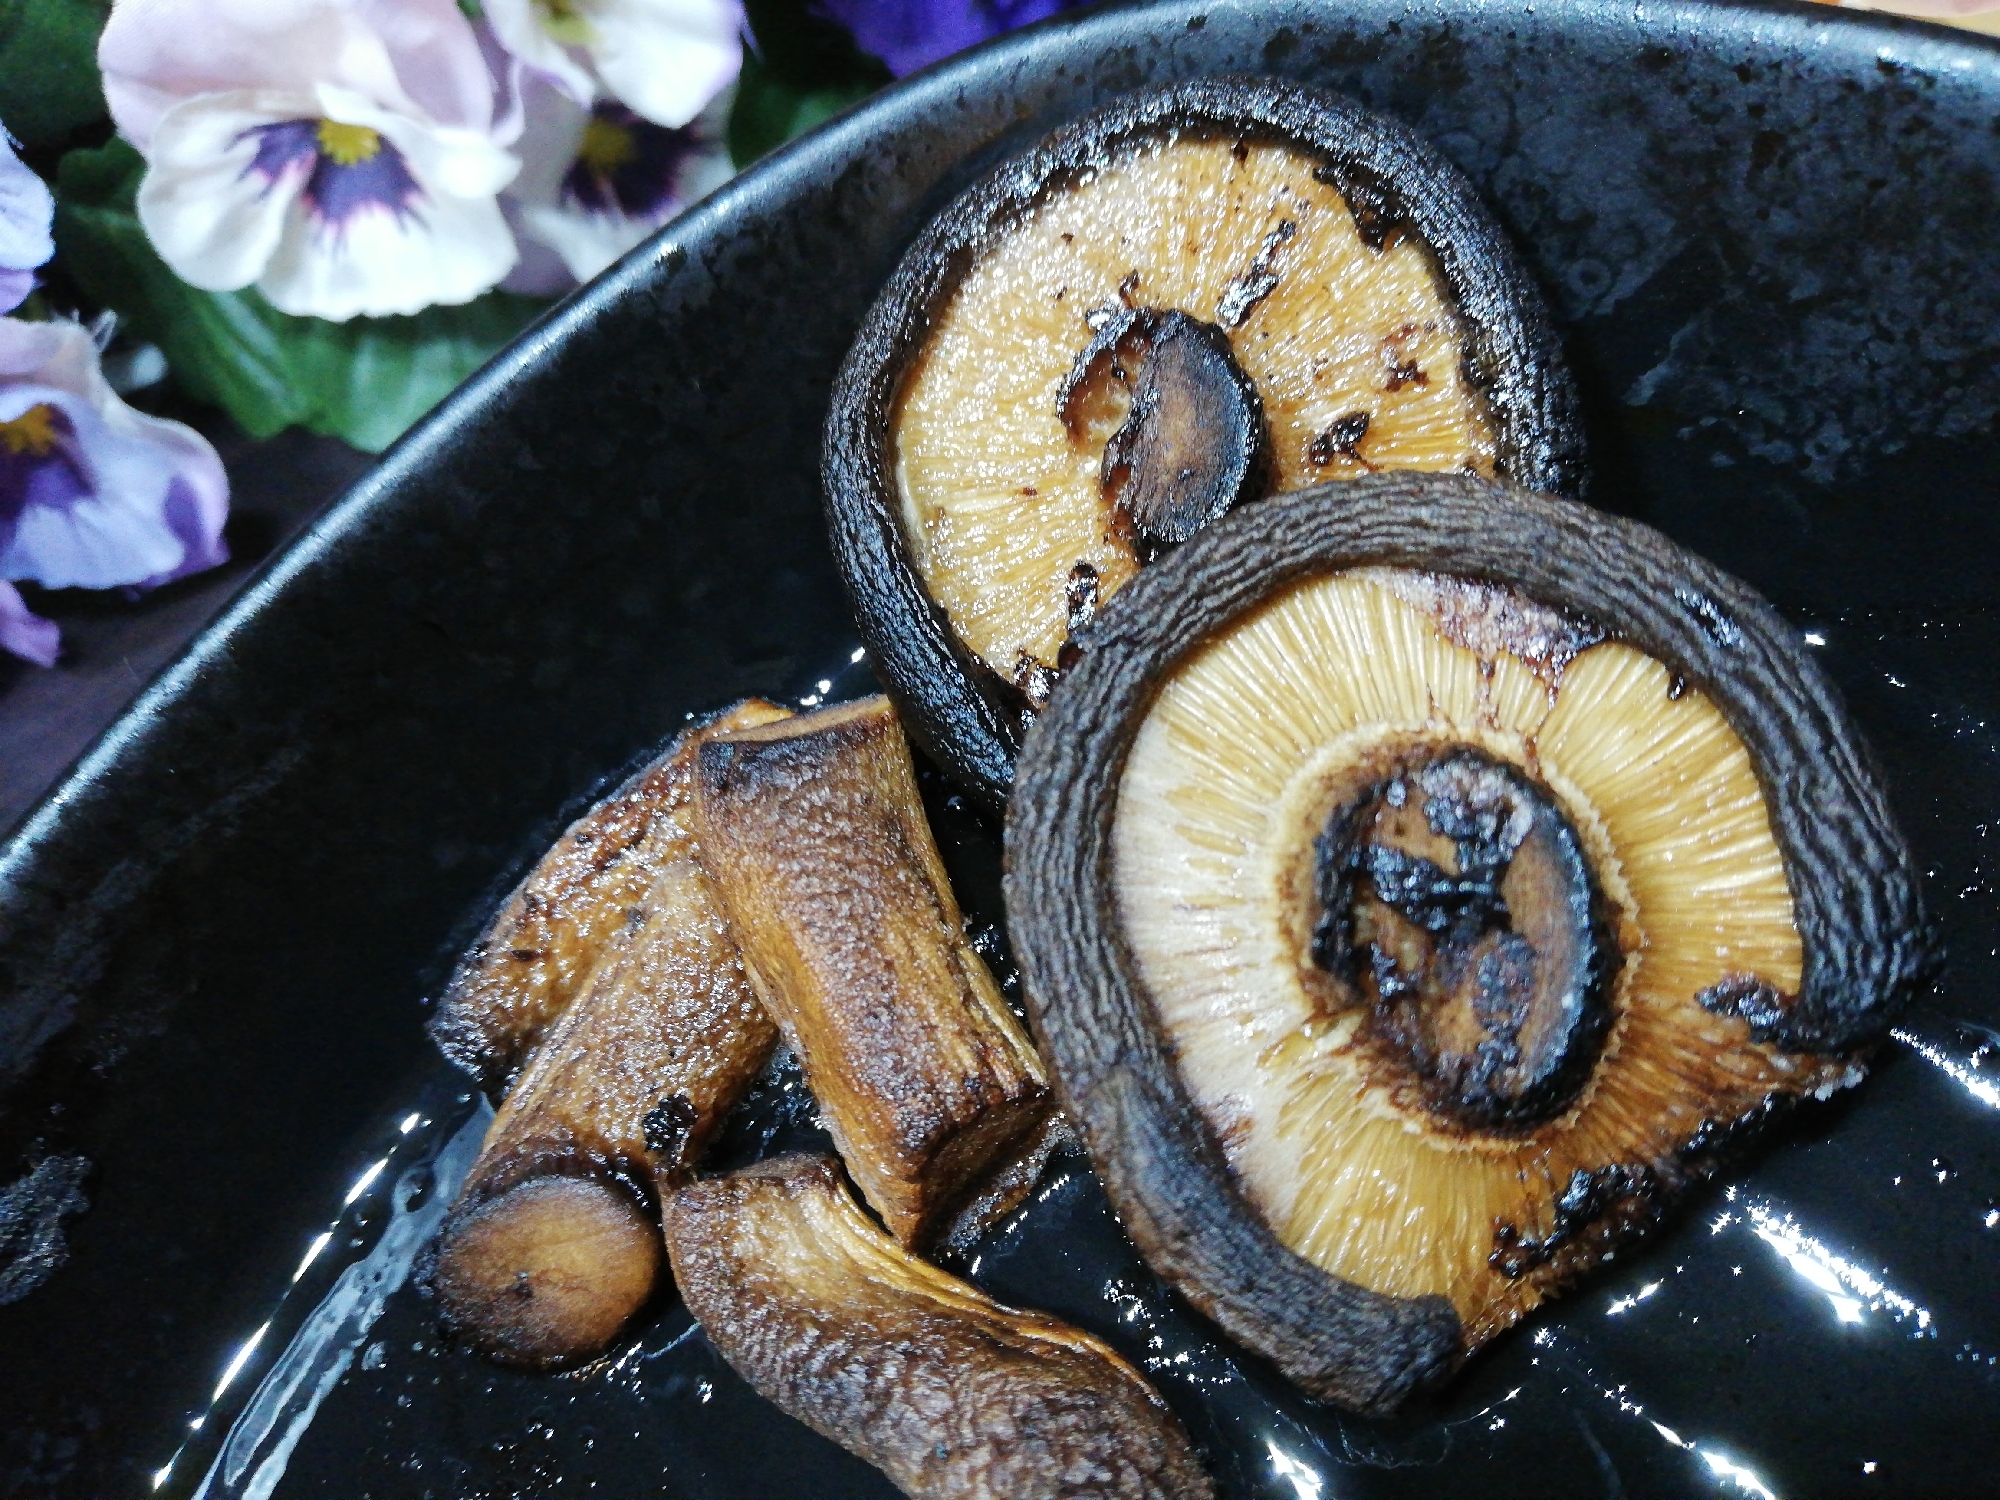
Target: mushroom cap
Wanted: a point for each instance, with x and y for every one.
(1862, 939)
(963, 711)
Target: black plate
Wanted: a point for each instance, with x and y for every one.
(1769, 235)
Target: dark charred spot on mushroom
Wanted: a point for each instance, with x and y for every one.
(1341, 439)
(1716, 1139)
(1677, 687)
(1257, 282)
(666, 1126)
(1597, 1212)
(1128, 289)
(1378, 216)
(1081, 596)
(1458, 906)
(1751, 998)
(1193, 441)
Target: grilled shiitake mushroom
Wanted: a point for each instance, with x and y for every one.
(572, 911)
(952, 1395)
(1182, 301)
(551, 1247)
(1417, 886)
(815, 837)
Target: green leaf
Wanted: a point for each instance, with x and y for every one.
(768, 111)
(48, 67)
(799, 70)
(365, 380)
(807, 49)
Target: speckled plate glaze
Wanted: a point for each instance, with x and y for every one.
(1767, 233)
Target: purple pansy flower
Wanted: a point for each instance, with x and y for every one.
(596, 182)
(92, 493)
(25, 211)
(911, 34)
(340, 155)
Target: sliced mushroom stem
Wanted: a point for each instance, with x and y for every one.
(1192, 442)
(815, 836)
(1458, 908)
(950, 1394)
(574, 908)
(551, 1247)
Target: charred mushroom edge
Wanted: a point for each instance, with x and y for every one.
(962, 714)
(1867, 943)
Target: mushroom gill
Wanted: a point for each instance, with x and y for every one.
(1417, 886)
(1413, 1033)
(1355, 349)
(1184, 302)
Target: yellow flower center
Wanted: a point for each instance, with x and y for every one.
(347, 145)
(566, 21)
(605, 147)
(32, 433)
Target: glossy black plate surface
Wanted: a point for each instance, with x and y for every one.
(1768, 235)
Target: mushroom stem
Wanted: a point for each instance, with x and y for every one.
(548, 938)
(815, 836)
(551, 1247)
(1193, 441)
(952, 1395)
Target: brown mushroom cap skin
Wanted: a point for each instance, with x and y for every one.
(958, 709)
(1867, 941)
(952, 1395)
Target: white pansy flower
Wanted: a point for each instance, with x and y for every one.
(339, 155)
(595, 182)
(663, 59)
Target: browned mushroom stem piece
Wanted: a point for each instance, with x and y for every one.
(814, 834)
(1229, 287)
(1418, 886)
(950, 1394)
(1190, 439)
(552, 1247)
(574, 908)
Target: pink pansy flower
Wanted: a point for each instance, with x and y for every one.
(663, 59)
(92, 493)
(340, 155)
(25, 211)
(595, 182)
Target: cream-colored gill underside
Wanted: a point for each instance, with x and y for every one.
(1220, 800)
(1000, 504)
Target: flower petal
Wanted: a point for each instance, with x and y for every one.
(377, 264)
(415, 56)
(25, 633)
(215, 216)
(107, 531)
(667, 59)
(25, 211)
(518, 26)
(157, 53)
(138, 499)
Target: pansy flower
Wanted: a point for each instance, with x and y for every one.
(337, 154)
(92, 493)
(663, 59)
(912, 34)
(25, 211)
(596, 182)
